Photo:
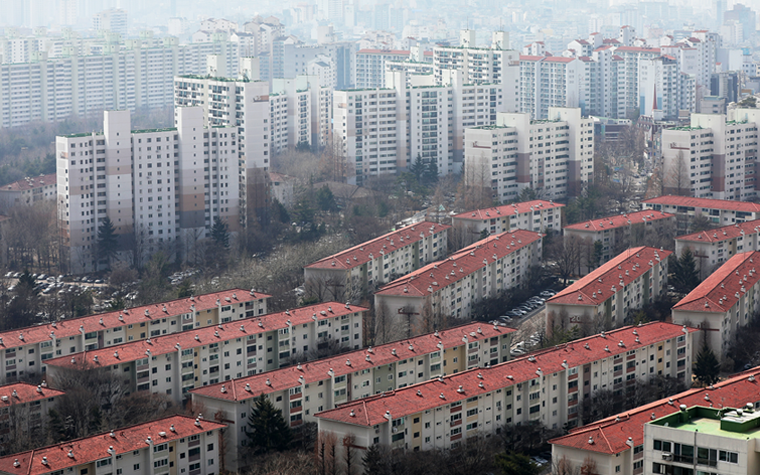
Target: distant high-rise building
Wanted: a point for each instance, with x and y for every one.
(743, 15)
(114, 20)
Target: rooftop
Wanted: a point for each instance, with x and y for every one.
(285, 378)
(436, 276)
(30, 182)
(705, 203)
(119, 318)
(720, 291)
(508, 210)
(22, 393)
(375, 248)
(90, 449)
(459, 386)
(723, 234)
(611, 277)
(170, 343)
(734, 423)
(612, 435)
(620, 220)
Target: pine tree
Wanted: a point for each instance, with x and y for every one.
(107, 242)
(267, 429)
(516, 464)
(326, 199)
(430, 176)
(417, 168)
(685, 275)
(220, 233)
(706, 367)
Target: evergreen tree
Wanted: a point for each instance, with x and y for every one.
(430, 175)
(107, 242)
(326, 200)
(516, 464)
(376, 461)
(706, 367)
(220, 233)
(267, 430)
(685, 275)
(417, 168)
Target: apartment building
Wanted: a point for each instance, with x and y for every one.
(713, 247)
(371, 66)
(24, 409)
(719, 212)
(113, 19)
(712, 157)
(26, 349)
(621, 231)
(352, 273)
(28, 191)
(664, 87)
(626, 444)
(176, 363)
(722, 303)
(546, 387)
(171, 187)
(550, 81)
(385, 130)
(554, 157)
(541, 216)
(628, 62)
(302, 391)
(138, 74)
(452, 287)
(176, 444)
(609, 293)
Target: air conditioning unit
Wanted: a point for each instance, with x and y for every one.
(667, 456)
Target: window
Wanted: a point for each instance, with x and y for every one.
(730, 457)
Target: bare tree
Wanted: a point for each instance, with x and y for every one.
(676, 179)
(563, 466)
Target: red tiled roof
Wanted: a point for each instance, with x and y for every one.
(705, 203)
(30, 182)
(610, 277)
(611, 41)
(620, 220)
(285, 378)
(719, 292)
(21, 393)
(559, 59)
(135, 315)
(637, 49)
(525, 57)
(724, 233)
(508, 210)
(91, 449)
(456, 387)
(373, 249)
(443, 273)
(164, 344)
(610, 436)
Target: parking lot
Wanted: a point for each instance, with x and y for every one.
(528, 319)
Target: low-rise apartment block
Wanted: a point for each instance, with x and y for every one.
(626, 443)
(719, 212)
(546, 387)
(28, 191)
(165, 195)
(24, 409)
(554, 157)
(452, 287)
(609, 293)
(541, 216)
(304, 390)
(621, 231)
(713, 157)
(177, 444)
(174, 364)
(713, 247)
(351, 273)
(724, 302)
(25, 350)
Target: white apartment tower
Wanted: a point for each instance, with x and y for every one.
(555, 157)
(713, 157)
(169, 188)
